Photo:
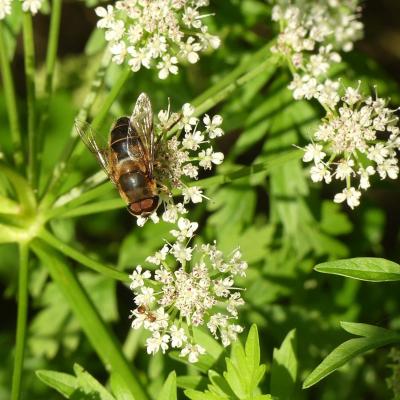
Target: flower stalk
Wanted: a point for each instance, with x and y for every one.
(21, 321)
(29, 62)
(11, 103)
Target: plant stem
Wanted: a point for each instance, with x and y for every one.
(75, 209)
(51, 56)
(29, 58)
(11, 104)
(231, 81)
(109, 100)
(263, 62)
(81, 258)
(99, 334)
(21, 321)
(63, 165)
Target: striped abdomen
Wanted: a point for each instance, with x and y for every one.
(135, 186)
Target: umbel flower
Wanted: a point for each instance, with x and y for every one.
(356, 141)
(156, 33)
(312, 33)
(180, 157)
(192, 286)
(32, 6)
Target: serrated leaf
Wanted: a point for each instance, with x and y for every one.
(234, 378)
(168, 391)
(65, 384)
(91, 386)
(284, 368)
(345, 352)
(362, 268)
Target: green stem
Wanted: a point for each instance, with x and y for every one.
(21, 321)
(81, 258)
(99, 334)
(62, 167)
(11, 103)
(249, 68)
(29, 58)
(109, 100)
(261, 61)
(51, 56)
(75, 209)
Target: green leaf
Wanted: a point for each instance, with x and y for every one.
(189, 381)
(119, 388)
(63, 383)
(196, 395)
(90, 386)
(22, 189)
(362, 268)
(365, 330)
(168, 391)
(284, 368)
(347, 351)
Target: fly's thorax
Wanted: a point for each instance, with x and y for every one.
(119, 139)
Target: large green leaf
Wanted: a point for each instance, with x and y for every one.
(362, 268)
(377, 337)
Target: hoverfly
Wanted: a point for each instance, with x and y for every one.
(128, 157)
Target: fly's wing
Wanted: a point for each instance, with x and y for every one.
(97, 144)
(141, 130)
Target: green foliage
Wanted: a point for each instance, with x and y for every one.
(66, 226)
(372, 337)
(242, 376)
(285, 368)
(365, 269)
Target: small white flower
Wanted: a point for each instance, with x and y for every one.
(193, 194)
(208, 157)
(167, 66)
(5, 8)
(192, 352)
(351, 196)
(192, 141)
(186, 229)
(159, 256)
(213, 126)
(156, 342)
(146, 297)
(137, 277)
(344, 169)
(313, 152)
(181, 252)
(178, 336)
(106, 16)
(32, 6)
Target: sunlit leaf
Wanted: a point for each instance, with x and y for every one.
(363, 268)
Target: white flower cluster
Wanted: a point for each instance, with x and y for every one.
(192, 286)
(182, 156)
(357, 141)
(312, 33)
(32, 6)
(156, 33)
